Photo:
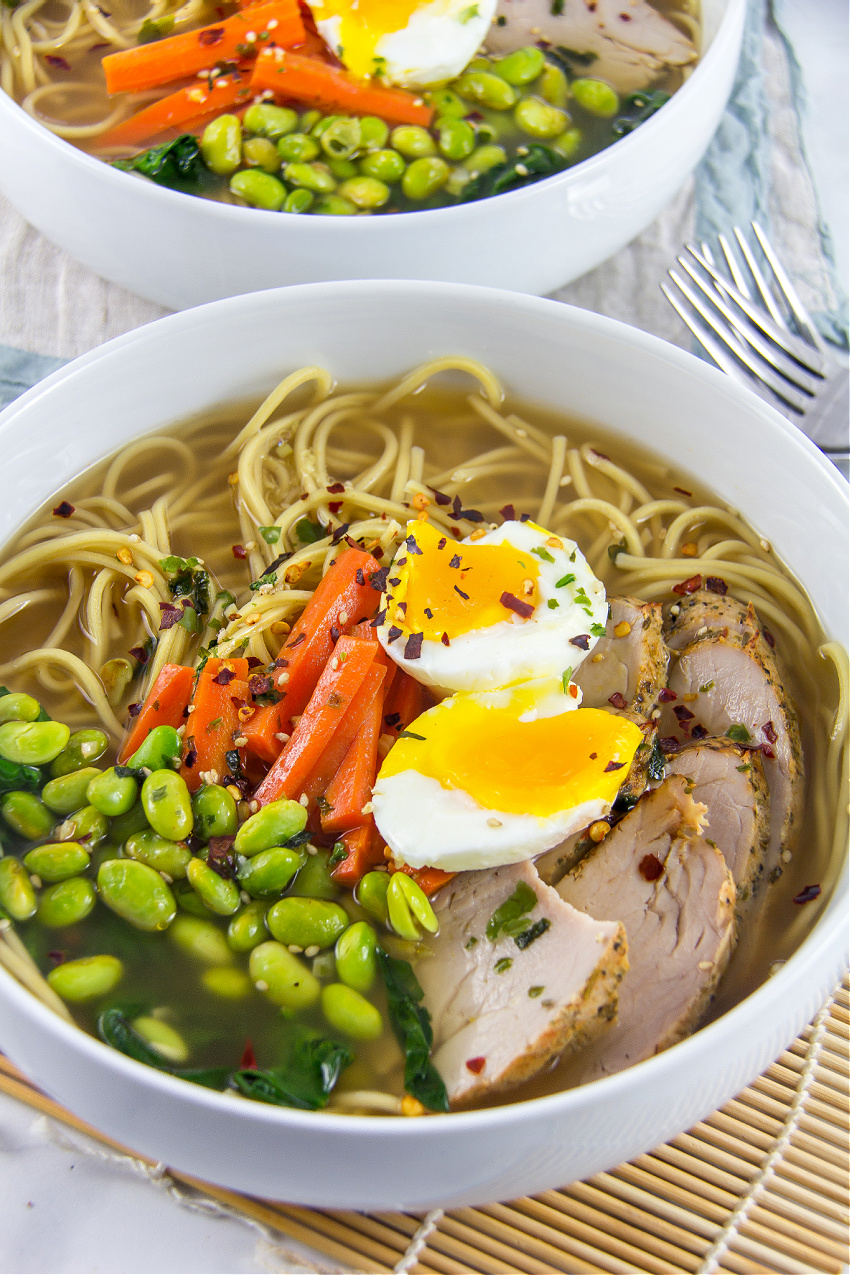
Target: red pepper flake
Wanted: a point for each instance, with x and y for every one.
(769, 638)
(190, 759)
(220, 857)
(359, 576)
(61, 64)
(508, 513)
(456, 560)
(715, 585)
(651, 867)
(253, 662)
(377, 553)
(456, 507)
(393, 633)
(139, 654)
(441, 497)
(769, 732)
(336, 489)
(456, 532)
(259, 685)
(56, 957)
(238, 702)
(248, 1061)
(593, 756)
(378, 579)
(465, 596)
(699, 732)
(224, 677)
(335, 634)
(412, 546)
(808, 895)
(238, 551)
(278, 664)
(683, 491)
(618, 700)
(668, 744)
(768, 752)
(393, 719)
(523, 609)
(688, 586)
(682, 713)
(63, 510)
(302, 637)
(340, 532)
(666, 696)
(212, 35)
(442, 542)
(445, 640)
(170, 615)
(413, 647)
(614, 765)
(133, 710)
(378, 620)
(471, 515)
(582, 641)
(476, 1065)
(334, 506)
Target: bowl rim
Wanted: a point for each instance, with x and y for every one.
(224, 213)
(824, 947)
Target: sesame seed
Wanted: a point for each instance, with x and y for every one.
(304, 800)
(295, 949)
(494, 823)
(704, 965)
(261, 985)
(253, 806)
(312, 950)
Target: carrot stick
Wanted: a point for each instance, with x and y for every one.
(429, 880)
(319, 779)
(351, 787)
(179, 56)
(213, 723)
(308, 80)
(365, 850)
(405, 702)
(342, 677)
(164, 706)
(262, 730)
(187, 105)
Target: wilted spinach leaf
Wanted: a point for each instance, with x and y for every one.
(177, 164)
(411, 1024)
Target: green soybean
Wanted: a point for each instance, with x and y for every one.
(456, 138)
(314, 881)
(269, 871)
(298, 201)
(26, 815)
(412, 141)
(215, 812)
(267, 120)
(309, 120)
(356, 963)
(221, 145)
(306, 923)
(17, 896)
(342, 138)
(259, 189)
(281, 977)
(137, 893)
(568, 143)
(66, 903)
(373, 132)
(188, 901)
(409, 908)
(447, 103)
(161, 749)
(200, 939)
(111, 794)
(483, 158)
(87, 978)
(539, 119)
(349, 1012)
(170, 857)
(272, 825)
(19, 708)
(553, 86)
(83, 749)
(334, 206)
(87, 825)
(58, 860)
(425, 177)
(522, 66)
(371, 894)
(298, 148)
(322, 123)
(125, 826)
(343, 169)
(228, 983)
(365, 192)
(316, 177)
(33, 743)
(220, 895)
(116, 675)
(248, 928)
(167, 804)
(162, 1037)
(68, 793)
(384, 165)
(596, 97)
(490, 90)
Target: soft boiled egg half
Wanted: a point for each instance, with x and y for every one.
(515, 604)
(492, 778)
(404, 42)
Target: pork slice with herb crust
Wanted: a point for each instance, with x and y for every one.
(504, 1006)
(705, 611)
(628, 667)
(676, 899)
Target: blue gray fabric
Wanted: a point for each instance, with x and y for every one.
(20, 370)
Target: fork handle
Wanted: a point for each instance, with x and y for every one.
(827, 422)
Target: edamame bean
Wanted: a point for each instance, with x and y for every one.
(408, 908)
(201, 939)
(456, 138)
(248, 928)
(298, 148)
(125, 826)
(365, 192)
(483, 158)
(137, 893)
(68, 793)
(490, 90)
(188, 901)
(343, 169)
(26, 815)
(356, 963)
(17, 896)
(522, 66)
(33, 743)
(596, 97)
(341, 138)
(539, 119)
(66, 903)
(424, 177)
(167, 804)
(373, 132)
(371, 894)
(116, 676)
(161, 749)
(383, 165)
(269, 871)
(314, 881)
(334, 206)
(57, 860)
(87, 978)
(349, 1012)
(447, 103)
(170, 857)
(272, 825)
(298, 201)
(111, 794)
(18, 708)
(162, 1037)
(229, 983)
(83, 749)
(553, 85)
(306, 922)
(309, 120)
(412, 141)
(258, 189)
(568, 143)
(87, 825)
(215, 812)
(316, 177)
(221, 145)
(281, 977)
(267, 120)
(220, 895)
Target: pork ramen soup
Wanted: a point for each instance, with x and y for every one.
(345, 106)
(403, 750)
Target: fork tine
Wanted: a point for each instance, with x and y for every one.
(715, 348)
(788, 290)
(734, 269)
(790, 344)
(767, 297)
(751, 334)
(706, 252)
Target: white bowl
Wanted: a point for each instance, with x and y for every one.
(635, 385)
(182, 251)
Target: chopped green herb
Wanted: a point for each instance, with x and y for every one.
(309, 532)
(738, 733)
(536, 991)
(271, 535)
(556, 8)
(656, 767)
(466, 15)
(502, 966)
(553, 603)
(544, 554)
(706, 686)
(565, 680)
(573, 556)
(270, 578)
(409, 734)
(338, 853)
(564, 580)
(742, 769)
(527, 937)
(614, 550)
(597, 630)
(214, 724)
(516, 905)
(154, 29)
(470, 943)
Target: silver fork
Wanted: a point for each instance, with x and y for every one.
(757, 330)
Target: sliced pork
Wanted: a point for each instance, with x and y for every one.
(628, 667)
(676, 898)
(703, 612)
(627, 44)
(503, 1009)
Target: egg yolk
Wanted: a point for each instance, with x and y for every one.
(361, 27)
(537, 767)
(451, 588)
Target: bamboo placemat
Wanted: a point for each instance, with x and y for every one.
(760, 1187)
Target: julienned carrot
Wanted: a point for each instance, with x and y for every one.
(343, 597)
(164, 706)
(262, 731)
(340, 681)
(313, 82)
(430, 880)
(318, 781)
(187, 105)
(405, 702)
(351, 787)
(148, 66)
(213, 723)
(365, 850)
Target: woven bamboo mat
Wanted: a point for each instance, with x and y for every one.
(760, 1187)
